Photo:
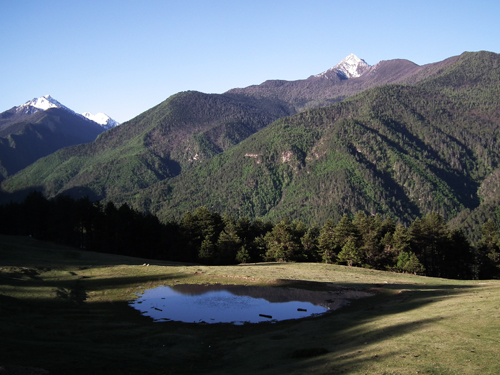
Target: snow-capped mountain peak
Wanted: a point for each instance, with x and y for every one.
(41, 104)
(46, 102)
(351, 67)
(102, 119)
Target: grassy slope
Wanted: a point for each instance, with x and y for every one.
(413, 324)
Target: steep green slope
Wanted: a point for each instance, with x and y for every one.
(184, 130)
(402, 150)
(399, 150)
(188, 128)
(180, 132)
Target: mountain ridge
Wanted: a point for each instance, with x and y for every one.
(27, 137)
(350, 67)
(408, 139)
(45, 102)
(40, 127)
(315, 91)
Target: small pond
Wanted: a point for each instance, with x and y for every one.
(233, 303)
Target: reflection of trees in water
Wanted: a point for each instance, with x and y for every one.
(329, 299)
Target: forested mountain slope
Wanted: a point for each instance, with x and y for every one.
(402, 150)
(187, 128)
(430, 144)
(180, 132)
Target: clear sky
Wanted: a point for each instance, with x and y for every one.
(122, 57)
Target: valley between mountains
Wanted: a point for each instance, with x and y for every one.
(395, 139)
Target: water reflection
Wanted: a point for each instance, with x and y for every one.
(233, 303)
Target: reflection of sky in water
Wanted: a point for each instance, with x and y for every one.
(220, 306)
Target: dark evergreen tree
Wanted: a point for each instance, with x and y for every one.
(327, 243)
(345, 231)
(310, 244)
(243, 256)
(34, 215)
(488, 251)
(350, 254)
(369, 233)
(208, 251)
(408, 263)
(429, 235)
(457, 257)
(394, 244)
(228, 245)
(64, 221)
(283, 242)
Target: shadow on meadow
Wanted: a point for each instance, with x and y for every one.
(73, 317)
(109, 337)
(339, 339)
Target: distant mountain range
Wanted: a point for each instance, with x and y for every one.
(46, 102)
(349, 77)
(394, 138)
(40, 127)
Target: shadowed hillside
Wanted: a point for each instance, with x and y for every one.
(26, 138)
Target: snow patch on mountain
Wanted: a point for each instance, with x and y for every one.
(351, 67)
(46, 102)
(102, 119)
(41, 104)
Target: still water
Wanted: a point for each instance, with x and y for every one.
(231, 303)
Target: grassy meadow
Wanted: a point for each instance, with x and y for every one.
(65, 311)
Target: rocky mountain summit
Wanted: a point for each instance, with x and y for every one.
(351, 67)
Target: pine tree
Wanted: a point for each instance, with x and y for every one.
(350, 253)
(310, 244)
(395, 244)
(326, 242)
(243, 256)
(228, 245)
(408, 262)
(458, 257)
(345, 231)
(429, 235)
(207, 252)
(283, 242)
(488, 251)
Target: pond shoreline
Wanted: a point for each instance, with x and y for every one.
(238, 304)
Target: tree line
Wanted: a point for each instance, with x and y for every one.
(425, 247)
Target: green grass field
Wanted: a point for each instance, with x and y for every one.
(411, 325)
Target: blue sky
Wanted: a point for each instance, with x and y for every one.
(124, 57)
